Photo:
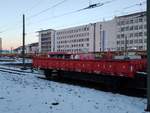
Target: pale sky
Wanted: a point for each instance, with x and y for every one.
(11, 12)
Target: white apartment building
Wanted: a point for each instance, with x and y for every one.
(121, 33)
(131, 32)
(93, 37)
(75, 39)
(46, 40)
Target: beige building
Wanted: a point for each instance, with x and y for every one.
(106, 36)
(131, 32)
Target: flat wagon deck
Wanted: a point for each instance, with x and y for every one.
(123, 68)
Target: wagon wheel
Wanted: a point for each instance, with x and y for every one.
(47, 73)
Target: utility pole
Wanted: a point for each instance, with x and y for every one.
(23, 42)
(148, 55)
(126, 48)
(94, 35)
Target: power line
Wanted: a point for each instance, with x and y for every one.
(37, 14)
(47, 9)
(131, 6)
(91, 6)
(75, 11)
(33, 6)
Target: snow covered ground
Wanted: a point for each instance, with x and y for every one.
(29, 94)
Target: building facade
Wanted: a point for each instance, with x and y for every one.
(131, 32)
(106, 36)
(122, 33)
(29, 49)
(32, 48)
(93, 37)
(75, 39)
(46, 40)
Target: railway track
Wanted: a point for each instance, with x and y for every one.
(81, 83)
(16, 71)
(98, 86)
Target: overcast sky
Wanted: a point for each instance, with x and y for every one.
(40, 15)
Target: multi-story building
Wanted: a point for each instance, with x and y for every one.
(46, 40)
(29, 49)
(93, 37)
(75, 39)
(106, 36)
(131, 32)
(32, 48)
(119, 34)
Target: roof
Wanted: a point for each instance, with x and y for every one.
(46, 30)
(133, 14)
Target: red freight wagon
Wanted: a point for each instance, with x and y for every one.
(93, 69)
(127, 68)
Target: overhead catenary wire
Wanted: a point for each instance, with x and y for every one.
(68, 13)
(129, 7)
(47, 9)
(99, 4)
(90, 6)
(34, 15)
(33, 6)
(27, 10)
(94, 6)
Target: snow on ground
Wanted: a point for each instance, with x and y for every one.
(29, 94)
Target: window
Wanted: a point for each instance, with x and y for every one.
(131, 21)
(140, 19)
(118, 42)
(122, 35)
(136, 27)
(140, 33)
(131, 41)
(140, 47)
(136, 41)
(135, 34)
(131, 35)
(122, 42)
(141, 27)
(131, 27)
(127, 28)
(140, 41)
